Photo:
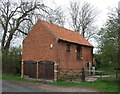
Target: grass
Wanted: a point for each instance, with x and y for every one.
(105, 85)
(11, 77)
(107, 70)
(0, 75)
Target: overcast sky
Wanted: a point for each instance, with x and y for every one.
(102, 7)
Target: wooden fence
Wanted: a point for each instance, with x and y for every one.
(69, 74)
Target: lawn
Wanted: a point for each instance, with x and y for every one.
(11, 77)
(0, 75)
(105, 85)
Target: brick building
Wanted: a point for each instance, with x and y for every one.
(49, 47)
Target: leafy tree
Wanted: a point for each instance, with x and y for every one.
(108, 41)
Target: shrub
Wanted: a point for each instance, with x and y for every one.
(11, 61)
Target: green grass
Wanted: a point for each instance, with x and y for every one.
(0, 75)
(107, 70)
(98, 85)
(11, 77)
(104, 85)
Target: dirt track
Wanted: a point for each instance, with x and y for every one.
(24, 86)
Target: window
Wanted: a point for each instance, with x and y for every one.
(79, 52)
(68, 47)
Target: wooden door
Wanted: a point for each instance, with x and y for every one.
(30, 69)
(46, 70)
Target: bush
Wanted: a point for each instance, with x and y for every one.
(11, 61)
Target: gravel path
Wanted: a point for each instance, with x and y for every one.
(24, 86)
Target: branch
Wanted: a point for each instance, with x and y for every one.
(90, 36)
(26, 19)
(22, 32)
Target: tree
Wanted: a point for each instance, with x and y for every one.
(56, 16)
(108, 41)
(17, 18)
(82, 18)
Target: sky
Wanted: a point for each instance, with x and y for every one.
(102, 7)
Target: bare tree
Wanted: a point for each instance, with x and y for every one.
(17, 18)
(82, 18)
(56, 16)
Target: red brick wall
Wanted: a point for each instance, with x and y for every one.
(69, 59)
(36, 45)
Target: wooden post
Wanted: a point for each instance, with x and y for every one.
(37, 69)
(83, 75)
(22, 69)
(55, 72)
(89, 68)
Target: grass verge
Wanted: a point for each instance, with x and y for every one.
(11, 77)
(104, 85)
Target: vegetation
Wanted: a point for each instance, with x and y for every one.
(11, 61)
(6, 76)
(108, 41)
(109, 44)
(105, 85)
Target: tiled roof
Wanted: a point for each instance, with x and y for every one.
(65, 34)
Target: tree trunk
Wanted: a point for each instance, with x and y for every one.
(83, 32)
(7, 45)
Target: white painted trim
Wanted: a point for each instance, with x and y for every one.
(55, 70)
(56, 64)
(55, 79)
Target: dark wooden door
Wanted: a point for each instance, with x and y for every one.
(46, 70)
(40, 70)
(30, 69)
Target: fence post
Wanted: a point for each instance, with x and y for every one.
(83, 75)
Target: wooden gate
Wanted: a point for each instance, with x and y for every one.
(30, 69)
(46, 70)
